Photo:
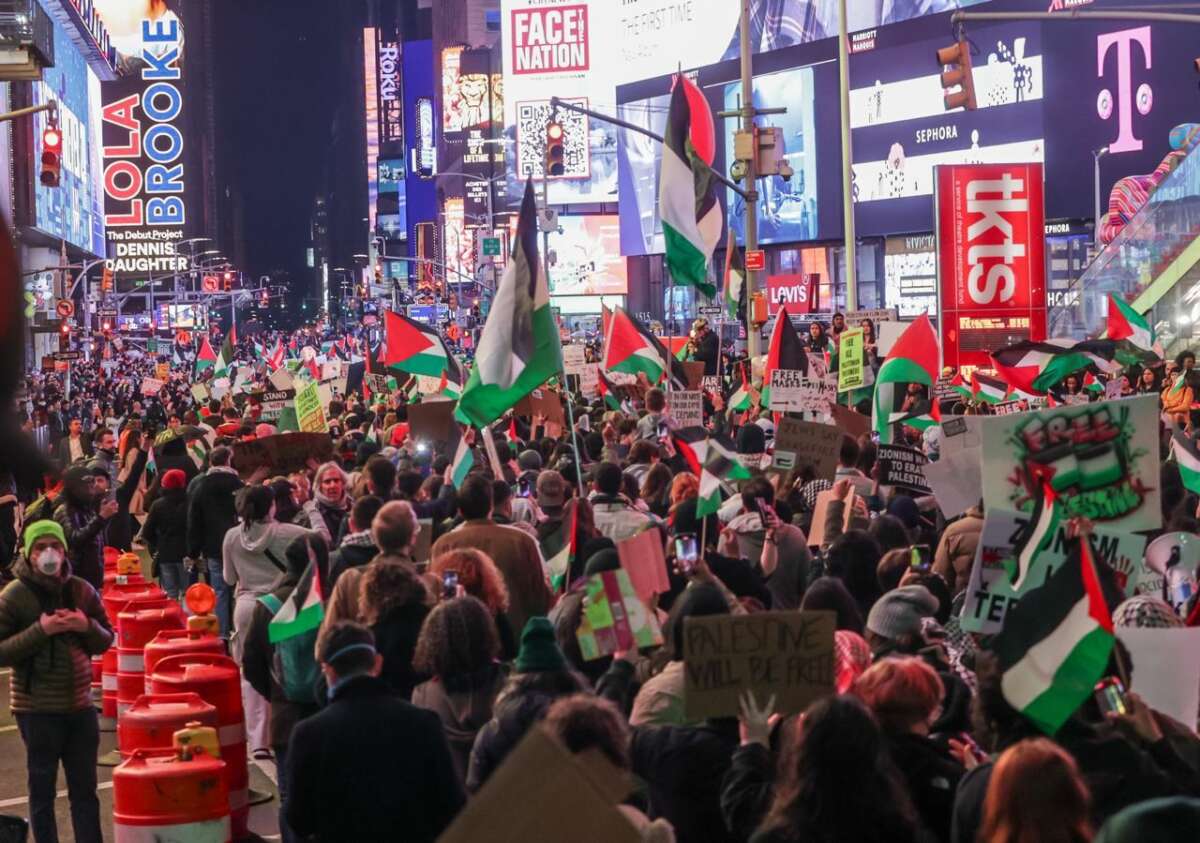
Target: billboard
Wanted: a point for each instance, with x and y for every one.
(638, 160)
(559, 48)
(472, 108)
(588, 259)
(991, 233)
(387, 75)
(391, 219)
(73, 211)
(901, 130)
(793, 290)
(371, 107)
(143, 152)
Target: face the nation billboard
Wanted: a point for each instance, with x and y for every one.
(991, 266)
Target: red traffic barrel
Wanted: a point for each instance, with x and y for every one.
(175, 642)
(117, 598)
(157, 795)
(218, 682)
(135, 629)
(153, 719)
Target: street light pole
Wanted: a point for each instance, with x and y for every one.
(847, 168)
(753, 343)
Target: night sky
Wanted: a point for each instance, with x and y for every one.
(276, 94)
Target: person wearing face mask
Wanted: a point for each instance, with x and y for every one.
(330, 503)
(83, 513)
(252, 559)
(51, 624)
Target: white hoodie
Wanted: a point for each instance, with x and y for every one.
(244, 554)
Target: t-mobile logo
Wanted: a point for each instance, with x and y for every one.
(1123, 101)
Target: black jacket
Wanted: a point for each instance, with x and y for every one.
(349, 556)
(396, 636)
(63, 449)
(211, 513)
(684, 767)
(708, 351)
(932, 775)
(165, 530)
(119, 533)
(84, 529)
(169, 456)
(403, 787)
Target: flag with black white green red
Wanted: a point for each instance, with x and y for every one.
(687, 188)
(692, 444)
(304, 609)
(1125, 323)
(608, 390)
(915, 358)
(785, 351)
(1187, 457)
(413, 347)
(1091, 383)
(1039, 537)
(923, 415)
(743, 398)
(987, 389)
(630, 348)
(519, 348)
(735, 278)
(225, 358)
(558, 565)
(721, 467)
(959, 385)
(206, 358)
(1034, 366)
(463, 459)
(1056, 643)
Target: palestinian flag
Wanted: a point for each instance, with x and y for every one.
(1187, 457)
(464, 459)
(225, 358)
(735, 279)
(921, 417)
(1091, 384)
(785, 351)
(413, 347)
(519, 348)
(692, 445)
(687, 191)
(960, 386)
(630, 348)
(608, 390)
(1180, 383)
(1055, 643)
(1124, 323)
(1040, 537)
(743, 399)
(559, 565)
(721, 467)
(915, 358)
(304, 609)
(275, 359)
(1036, 366)
(987, 389)
(206, 358)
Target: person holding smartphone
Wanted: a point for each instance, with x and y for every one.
(779, 549)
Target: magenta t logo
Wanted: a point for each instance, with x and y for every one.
(1124, 98)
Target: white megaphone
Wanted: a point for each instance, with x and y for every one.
(1175, 557)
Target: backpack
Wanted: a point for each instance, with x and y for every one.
(294, 665)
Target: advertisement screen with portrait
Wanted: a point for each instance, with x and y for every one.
(901, 130)
(588, 261)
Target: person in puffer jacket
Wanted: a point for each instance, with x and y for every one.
(51, 624)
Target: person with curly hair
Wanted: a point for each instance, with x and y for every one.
(479, 577)
(393, 603)
(459, 650)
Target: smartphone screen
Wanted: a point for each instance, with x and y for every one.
(449, 584)
(686, 553)
(765, 510)
(922, 559)
(1110, 696)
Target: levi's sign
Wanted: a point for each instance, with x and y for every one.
(991, 266)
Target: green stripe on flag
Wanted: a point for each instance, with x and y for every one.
(1073, 682)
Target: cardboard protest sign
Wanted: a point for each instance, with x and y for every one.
(956, 480)
(283, 453)
(989, 591)
(850, 359)
(199, 392)
(431, 421)
(151, 386)
(643, 559)
(900, 465)
(786, 389)
(686, 407)
(785, 654)
(542, 402)
(614, 617)
(282, 379)
(850, 421)
(310, 412)
(273, 403)
(800, 443)
(574, 359)
(1101, 458)
(589, 381)
(817, 367)
(816, 534)
(1166, 663)
(378, 384)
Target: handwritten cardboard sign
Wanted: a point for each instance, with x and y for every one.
(574, 359)
(785, 654)
(850, 359)
(310, 412)
(152, 386)
(787, 389)
(687, 407)
(850, 421)
(274, 402)
(900, 465)
(542, 402)
(283, 453)
(800, 443)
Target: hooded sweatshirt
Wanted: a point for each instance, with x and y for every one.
(245, 563)
(788, 580)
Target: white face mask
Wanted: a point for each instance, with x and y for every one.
(49, 562)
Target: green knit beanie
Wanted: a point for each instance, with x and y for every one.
(41, 529)
(539, 651)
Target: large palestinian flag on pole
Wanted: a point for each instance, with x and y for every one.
(735, 279)
(915, 358)
(1039, 537)
(630, 348)
(206, 358)
(1125, 323)
(414, 348)
(1034, 366)
(225, 358)
(1055, 643)
(687, 188)
(785, 351)
(519, 349)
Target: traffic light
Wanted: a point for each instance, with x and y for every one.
(958, 59)
(555, 166)
(228, 281)
(106, 281)
(51, 156)
(264, 298)
(64, 336)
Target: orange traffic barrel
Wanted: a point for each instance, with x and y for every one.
(161, 794)
(176, 642)
(115, 596)
(218, 682)
(136, 629)
(153, 719)
(116, 601)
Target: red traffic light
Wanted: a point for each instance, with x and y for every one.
(555, 160)
(51, 169)
(957, 58)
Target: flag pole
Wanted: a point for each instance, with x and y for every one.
(574, 441)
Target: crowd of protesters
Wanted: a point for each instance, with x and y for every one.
(439, 652)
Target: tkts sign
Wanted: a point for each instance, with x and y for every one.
(991, 263)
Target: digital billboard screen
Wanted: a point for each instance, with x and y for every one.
(391, 219)
(587, 257)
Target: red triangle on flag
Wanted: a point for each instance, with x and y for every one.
(404, 340)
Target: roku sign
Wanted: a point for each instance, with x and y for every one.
(146, 177)
(550, 40)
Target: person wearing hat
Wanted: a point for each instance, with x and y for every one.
(540, 676)
(51, 624)
(404, 784)
(83, 514)
(705, 345)
(894, 622)
(165, 532)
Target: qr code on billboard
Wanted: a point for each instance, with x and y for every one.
(532, 117)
